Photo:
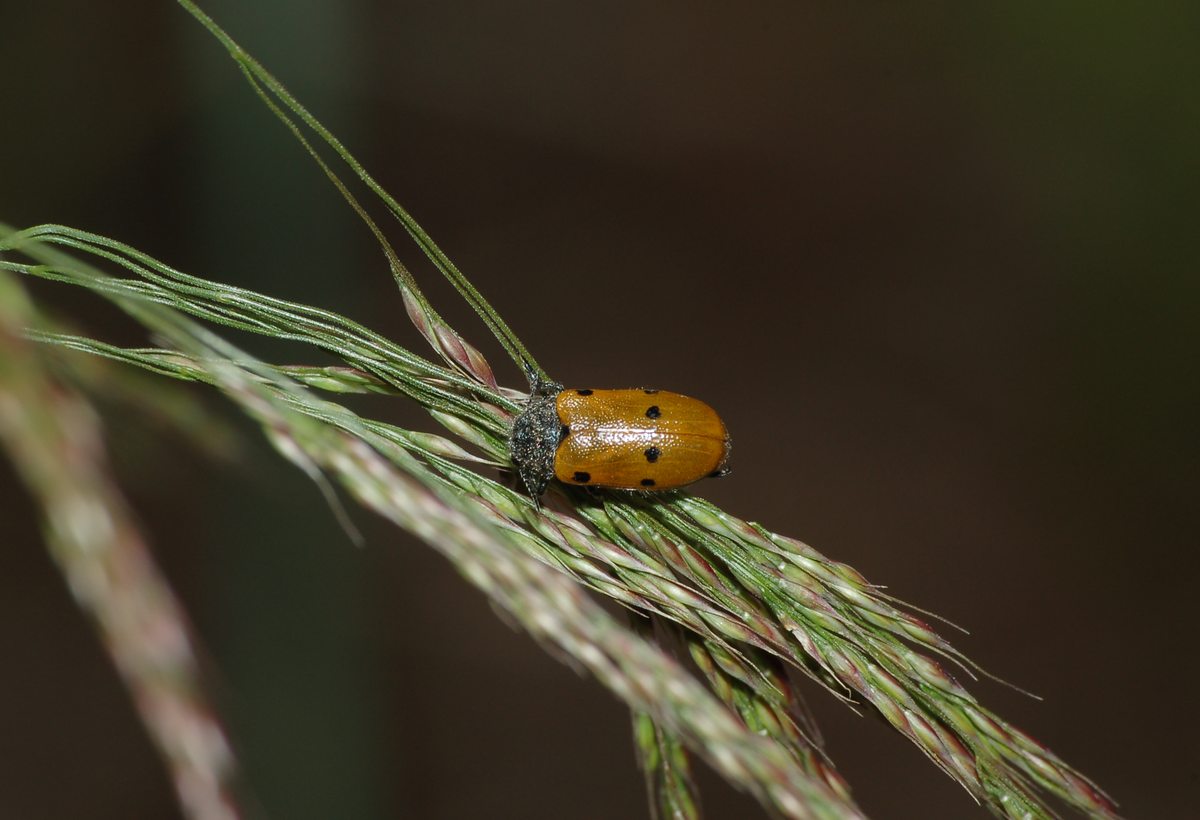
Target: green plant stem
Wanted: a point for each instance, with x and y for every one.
(264, 82)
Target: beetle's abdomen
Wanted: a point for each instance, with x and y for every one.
(638, 439)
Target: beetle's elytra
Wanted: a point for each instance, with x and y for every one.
(622, 439)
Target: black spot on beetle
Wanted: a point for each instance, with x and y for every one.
(650, 392)
(582, 477)
(652, 454)
(584, 392)
(647, 482)
(563, 433)
(653, 412)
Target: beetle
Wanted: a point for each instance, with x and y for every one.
(634, 439)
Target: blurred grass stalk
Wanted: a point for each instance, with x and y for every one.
(54, 439)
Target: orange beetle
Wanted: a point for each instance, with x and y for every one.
(622, 439)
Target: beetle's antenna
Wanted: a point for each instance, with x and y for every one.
(536, 377)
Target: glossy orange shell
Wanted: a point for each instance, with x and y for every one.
(637, 439)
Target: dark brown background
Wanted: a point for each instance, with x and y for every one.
(936, 267)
